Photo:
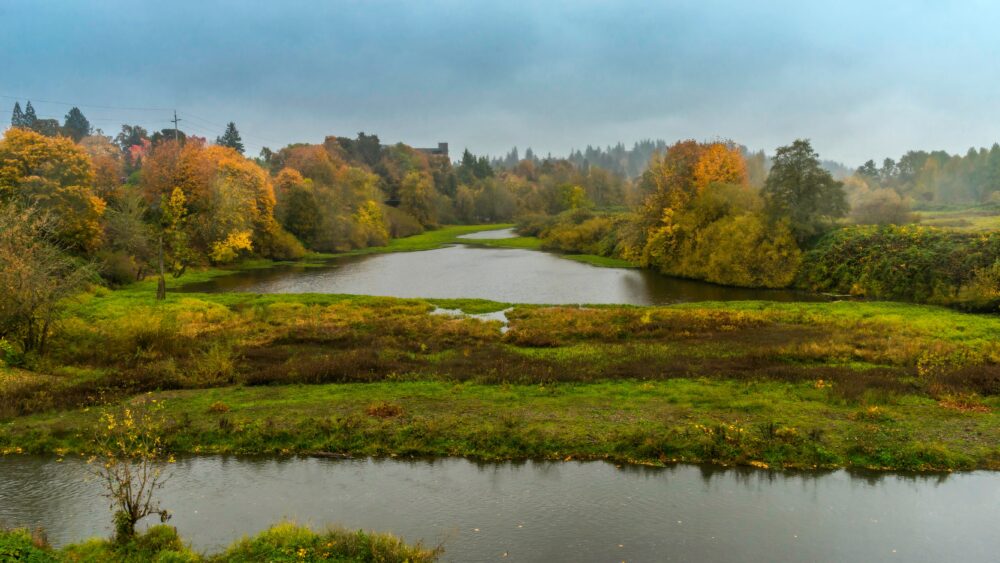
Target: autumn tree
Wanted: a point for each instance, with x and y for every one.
(416, 197)
(108, 165)
(36, 276)
(131, 246)
(719, 164)
(131, 463)
(76, 125)
(55, 176)
(297, 209)
(799, 189)
(231, 138)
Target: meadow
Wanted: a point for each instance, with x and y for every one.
(858, 384)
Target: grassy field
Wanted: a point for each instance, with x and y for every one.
(535, 243)
(973, 219)
(883, 385)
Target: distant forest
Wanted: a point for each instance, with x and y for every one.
(631, 163)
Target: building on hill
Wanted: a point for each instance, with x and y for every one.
(441, 150)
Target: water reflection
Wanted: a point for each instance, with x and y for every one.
(547, 511)
(499, 274)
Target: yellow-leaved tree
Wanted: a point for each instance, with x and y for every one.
(53, 175)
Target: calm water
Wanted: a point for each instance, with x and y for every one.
(545, 511)
(500, 274)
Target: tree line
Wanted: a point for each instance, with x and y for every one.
(697, 214)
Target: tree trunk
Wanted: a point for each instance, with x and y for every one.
(161, 282)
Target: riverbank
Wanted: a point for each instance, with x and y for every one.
(881, 385)
(282, 542)
(761, 424)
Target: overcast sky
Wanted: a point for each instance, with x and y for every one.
(861, 79)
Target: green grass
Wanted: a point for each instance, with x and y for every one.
(522, 243)
(602, 261)
(981, 219)
(535, 243)
(650, 384)
(282, 542)
(789, 425)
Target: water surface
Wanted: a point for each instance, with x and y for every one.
(500, 274)
(547, 511)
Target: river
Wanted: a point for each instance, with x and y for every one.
(546, 511)
(499, 274)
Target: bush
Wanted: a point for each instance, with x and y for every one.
(281, 245)
(882, 207)
(289, 542)
(21, 545)
(400, 223)
(907, 263)
(117, 268)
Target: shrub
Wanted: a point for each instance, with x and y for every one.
(908, 263)
(881, 207)
(290, 542)
(21, 545)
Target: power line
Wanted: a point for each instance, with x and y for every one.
(28, 98)
(174, 121)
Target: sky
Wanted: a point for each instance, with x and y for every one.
(860, 79)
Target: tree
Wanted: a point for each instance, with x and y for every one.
(298, 211)
(30, 119)
(17, 117)
(416, 197)
(55, 176)
(799, 189)
(76, 125)
(719, 164)
(881, 207)
(36, 276)
(47, 127)
(132, 457)
(231, 138)
(368, 148)
(130, 136)
(108, 164)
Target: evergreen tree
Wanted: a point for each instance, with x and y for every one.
(76, 125)
(17, 118)
(231, 138)
(800, 190)
(30, 119)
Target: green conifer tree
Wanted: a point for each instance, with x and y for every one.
(231, 138)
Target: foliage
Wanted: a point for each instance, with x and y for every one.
(799, 189)
(937, 177)
(36, 275)
(231, 139)
(76, 125)
(912, 263)
(19, 544)
(53, 175)
(881, 206)
(131, 456)
(282, 542)
(290, 542)
(416, 197)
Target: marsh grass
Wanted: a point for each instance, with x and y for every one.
(331, 357)
(285, 541)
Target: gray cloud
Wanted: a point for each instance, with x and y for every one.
(862, 79)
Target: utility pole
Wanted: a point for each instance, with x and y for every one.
(175, 120)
